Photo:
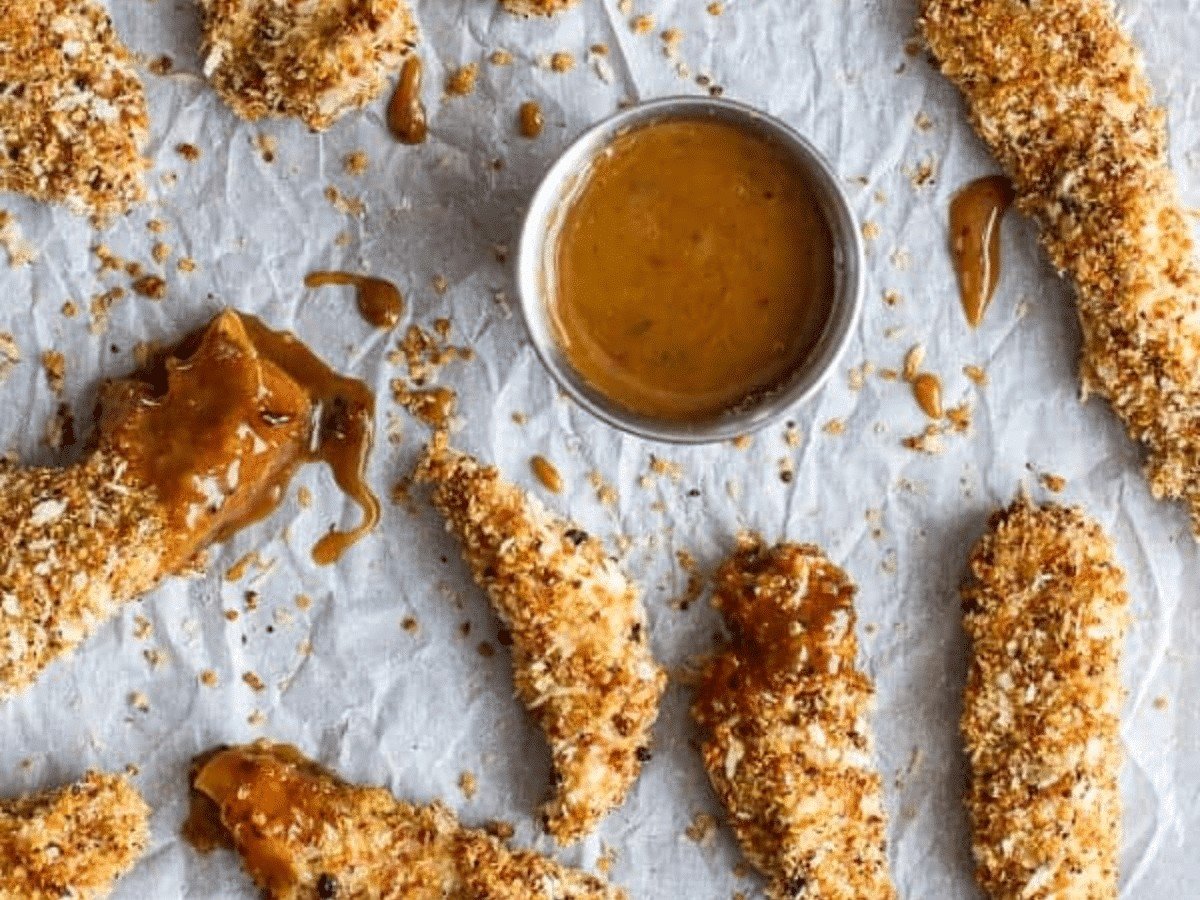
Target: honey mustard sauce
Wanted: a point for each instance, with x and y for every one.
(975, 215)
(927, 390)
(218, 425)
(694, 270)
(379, 302)
(406, 112)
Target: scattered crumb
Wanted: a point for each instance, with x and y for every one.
(703, 828)
(356, 163)
(468, 785)
(255, 683)
(834, 427)
(55, 366)
(190, 152)
(153, 287)
(209, 678)
(462, 80)
(139, 701)
(501, 57)
(1053, 483)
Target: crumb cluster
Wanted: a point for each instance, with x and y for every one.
(786, 740)
(580, 644)
(335, 839)
(1045, 609)
(73, 117)
(313, 61)
(1059, 94)
(537, 7)
(71, 842)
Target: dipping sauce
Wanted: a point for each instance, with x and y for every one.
(406, 113)
(975, 215)
(380, 302)
(694, 269)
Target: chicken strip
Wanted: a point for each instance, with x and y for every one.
(1045, 610)
(581, 655)
(304, 833)
(1057, 91)
(73, 118)
(198, 446)
(313, 61)
(786, 741)
(73, 842)
(537, 7)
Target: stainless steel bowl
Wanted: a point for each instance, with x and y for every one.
(536, 261)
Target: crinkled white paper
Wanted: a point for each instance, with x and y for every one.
(413, 711)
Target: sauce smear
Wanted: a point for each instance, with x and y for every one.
(975, 215)
(380, 302)
(694, 270)
(220, 423)
(406, 111)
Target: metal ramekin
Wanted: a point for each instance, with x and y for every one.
(535, 265)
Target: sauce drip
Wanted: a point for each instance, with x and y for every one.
(547, 474)
(406, 112)
(220, 423)
(380, 302)
(694, 270)
(927, 389)
(531, 119)
(780, 610)
(258, 800)
(975, 215)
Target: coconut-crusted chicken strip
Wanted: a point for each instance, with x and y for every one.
(785, 737)
(71, 842)
(1057, 90)
(304, 833)
(313, 61)
(187, 452)
(581, 654)
(537, 7)
(73, 117)
(1045, 610)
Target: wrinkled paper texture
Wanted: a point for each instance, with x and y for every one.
(413, 711)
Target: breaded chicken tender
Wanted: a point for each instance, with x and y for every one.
(1057, 91)
(1045, 609)
(786, 741)
(175, 466)
(73, 120)
(304, 834)
(537, 7)
(581, 654)
(315, 61)
(72, 842)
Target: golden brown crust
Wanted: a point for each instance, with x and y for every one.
(1057, 91)
(581, 655)
(73, 115)
(335, 839)
(314, 61)
(79, 542)
(786, 741)
(537, 7)
(1045, 610)
(72, 842)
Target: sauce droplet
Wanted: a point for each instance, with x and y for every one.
(547, 474)
(380, 302)
(218, 425)
(927, 389)
(406, 112)
(531, 119)
(975, 214)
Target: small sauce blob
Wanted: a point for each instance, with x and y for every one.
(547, 474)
(975, 215)
(531, 119)
(927, 389)
(406, 112)
(218, 425)
(380, 302)
(693, 270)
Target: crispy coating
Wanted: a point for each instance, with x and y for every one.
(313, 61)
(73, 118)
(72, 842)
(304, 834)
(1057, 91)
(581, 655)
(537, 7)
(786, 742)
(1045, 609)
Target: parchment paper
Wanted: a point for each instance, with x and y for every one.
(414, 711)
